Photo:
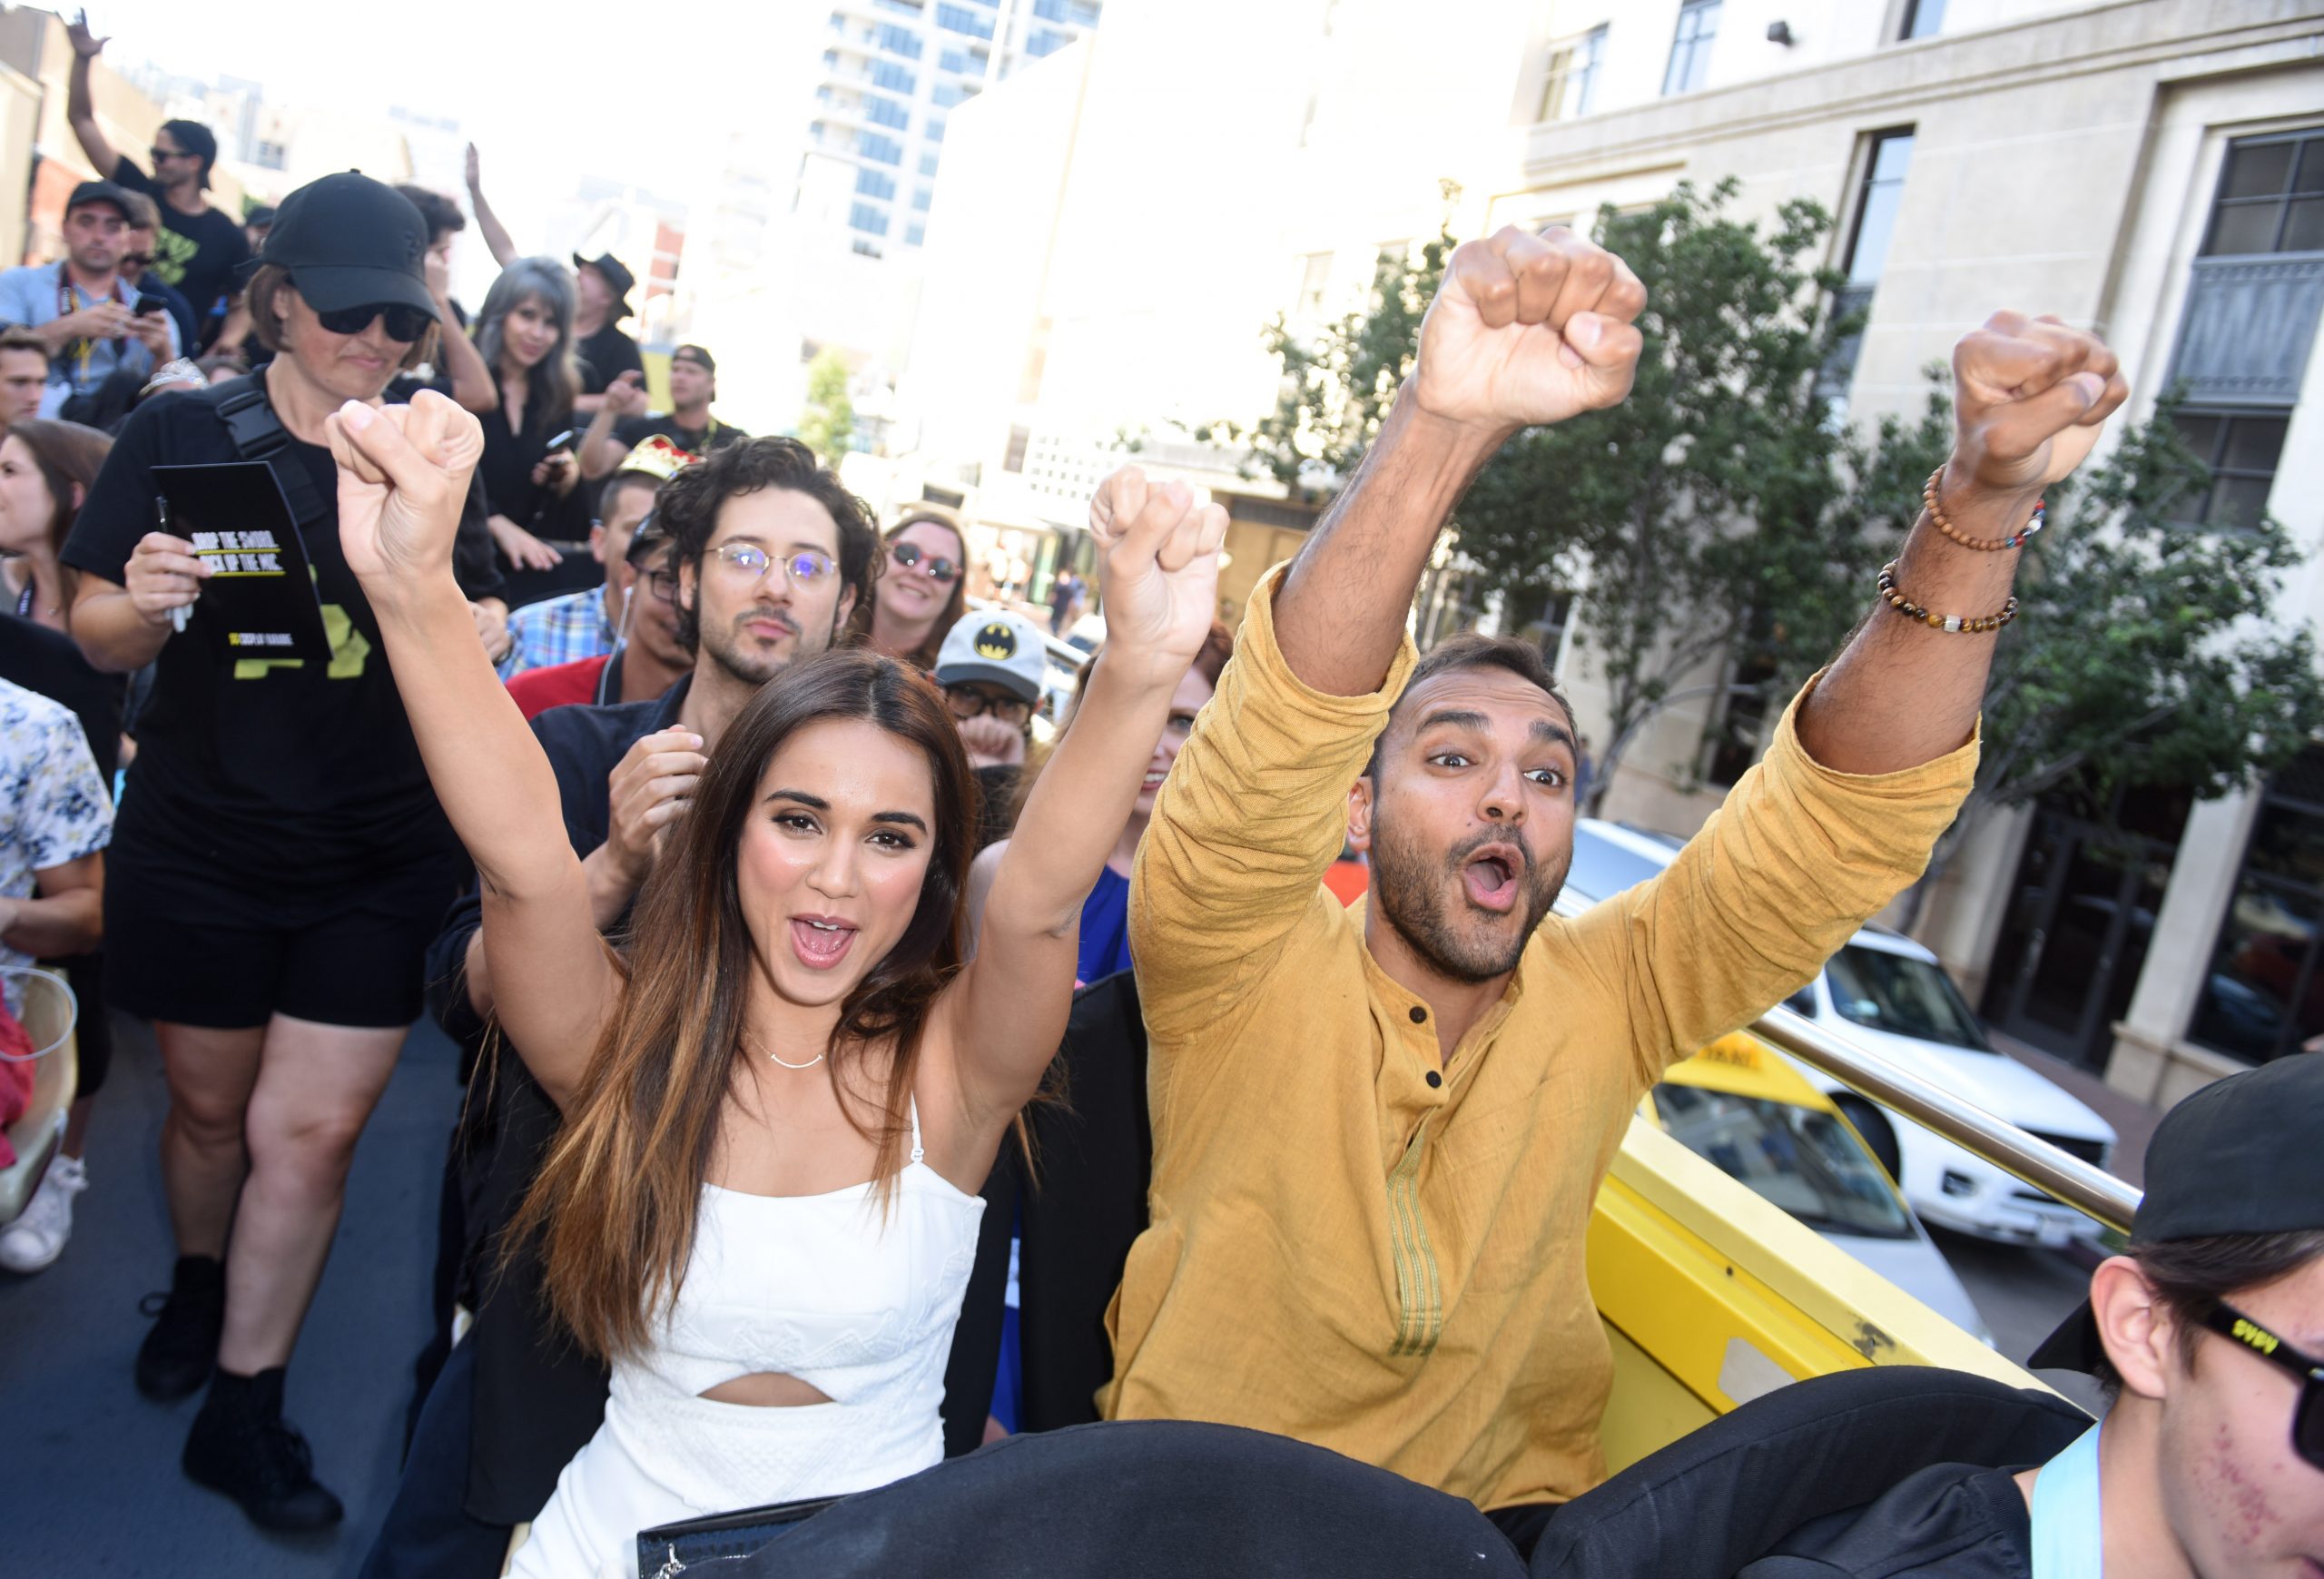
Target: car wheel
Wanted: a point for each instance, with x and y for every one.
(1878, 1134)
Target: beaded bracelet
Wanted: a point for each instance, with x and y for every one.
(1983, 545)
(1953, 622)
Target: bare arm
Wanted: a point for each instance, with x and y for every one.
(601, 453)
(981, 871)
(1160, 566)
(2030, 396)
(123, 628)
(552, 980)
(495, 236)
(65, 917)
(473, 385)
(80, 105)
(1527, 330)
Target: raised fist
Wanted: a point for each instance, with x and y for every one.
(403, 476)
(1528, 330)
(1157, 567)
(2029, 396)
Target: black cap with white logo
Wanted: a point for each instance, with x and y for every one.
(2242, 1156)
(350, 241)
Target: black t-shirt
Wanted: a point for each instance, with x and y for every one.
(1949, 1521)
(196, 252)
(605, 356)
(632, 432)
(48, 662)
(262, 776)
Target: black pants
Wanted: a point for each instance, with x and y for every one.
(1148, 1499)
(427, 1535)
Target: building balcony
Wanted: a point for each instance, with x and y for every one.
(2248, 327)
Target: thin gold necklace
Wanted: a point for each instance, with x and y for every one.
(785, 1062)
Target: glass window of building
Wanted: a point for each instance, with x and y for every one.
(1690, 46)
(885, 111)
(871, 184)
(865, 217)
(962, 19)
(1923, 19)
(2241, 450)
(2263, 996)
(2270, 197)
(1570, 86)
(897, 40)
(1880, 193)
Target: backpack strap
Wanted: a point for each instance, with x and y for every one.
(259, 435)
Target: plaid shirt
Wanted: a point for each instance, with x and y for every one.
(563, 630)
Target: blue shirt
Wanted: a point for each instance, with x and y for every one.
(1104, 928)
(37, 294)
(560, 630)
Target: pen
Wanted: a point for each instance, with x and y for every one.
(184, 612)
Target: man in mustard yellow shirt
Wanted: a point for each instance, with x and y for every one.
(1378, 1131)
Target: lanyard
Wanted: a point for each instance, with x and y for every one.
(2068, 1533)
(68, 301)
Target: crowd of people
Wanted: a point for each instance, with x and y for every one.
(703, 812)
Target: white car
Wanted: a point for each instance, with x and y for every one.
(1889, 994)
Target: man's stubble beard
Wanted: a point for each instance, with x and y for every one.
(723, 656)
(1408, 888)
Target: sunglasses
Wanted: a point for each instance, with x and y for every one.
(404, 323)
(967, 702)
(935, 567)
(2308, 1414)
(161, 154)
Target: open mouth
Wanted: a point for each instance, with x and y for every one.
(1152, 781)
(1490, 878)
(821, 943)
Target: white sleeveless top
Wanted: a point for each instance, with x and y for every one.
(816, 1287)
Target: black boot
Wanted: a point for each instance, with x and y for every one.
(177, 1354)
(242, 1447)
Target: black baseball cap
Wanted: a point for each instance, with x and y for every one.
(350, 241)
(696, 355)
(263, 214)
(2242, 1156)
(618, 279)
(650, 535)
(90, 191)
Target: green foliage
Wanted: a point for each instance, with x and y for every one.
(2142, 654)
(1714, 507)
(827, 424)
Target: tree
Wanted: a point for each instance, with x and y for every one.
(828, 422)
(2142, 653)
(1716, 510)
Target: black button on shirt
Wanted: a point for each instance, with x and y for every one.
(1420, 1015)
(1434, 1080)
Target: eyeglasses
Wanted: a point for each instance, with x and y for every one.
(405, 323)
(935, 567)
(161, 154)
(967, 702)
(2308, 1414)
(661, 584)
(141, 259)
(748, 562)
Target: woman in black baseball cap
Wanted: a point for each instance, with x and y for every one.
(280, 863)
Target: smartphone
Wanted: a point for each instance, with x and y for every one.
(149, 303)
(562, 442)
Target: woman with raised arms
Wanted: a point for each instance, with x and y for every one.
(778, 1107)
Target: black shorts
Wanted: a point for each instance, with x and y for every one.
(223, 959)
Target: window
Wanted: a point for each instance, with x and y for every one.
(864, 249)
(897, 40)
(880, 150)
(2241, 450)
(961, 61)
(1690, 46)
(1043, 40)
(1572, 83)
(1878, 196)
(1903, 996)
(933, 131)
(1314, 279)
(2264, 995)
(960, 19)
(921, 199)
(1803, 1161)
(896, 79)
(865, 217)
(882, 112)
(928, 161)
(1923, 19)
(950, 94)
(901, 7)
(913, 232)
(1018, 439)
(871, 184)
(2271, 198)
(1742, 716)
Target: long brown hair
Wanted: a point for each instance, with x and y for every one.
(66, 453)
(616, 1201)
(923, 658)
